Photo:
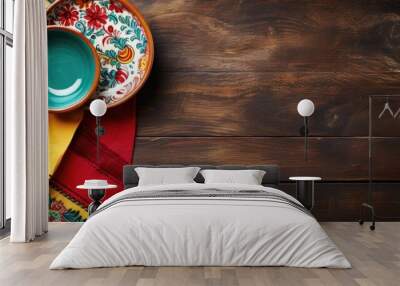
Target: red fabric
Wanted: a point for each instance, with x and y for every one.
(116, 150)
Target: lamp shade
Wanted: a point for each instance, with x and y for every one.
(98, 107)
(305, 107)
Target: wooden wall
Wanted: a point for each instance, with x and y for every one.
(228, 76)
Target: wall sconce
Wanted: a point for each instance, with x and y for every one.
(305, 108)
(98, 108)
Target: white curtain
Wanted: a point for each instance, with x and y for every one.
(26, 124)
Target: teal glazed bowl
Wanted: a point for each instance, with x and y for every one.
(73, 67)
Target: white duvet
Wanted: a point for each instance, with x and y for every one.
(200, 231)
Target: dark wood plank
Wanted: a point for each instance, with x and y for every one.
(270, 35)
(228, 76)
(262, 104)
(344, 159)
(342, 201)
(385, 158)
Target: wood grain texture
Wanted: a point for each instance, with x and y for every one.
(263, 104)
(342, 200)
(249, 35)
(228, 75)
(340, 159)
(374, 257)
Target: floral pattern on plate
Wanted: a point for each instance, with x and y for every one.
(120, 39)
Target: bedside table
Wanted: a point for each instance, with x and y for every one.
(96, 191)
(305, 188)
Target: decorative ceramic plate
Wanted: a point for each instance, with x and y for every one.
(74, 69)
(122, 40)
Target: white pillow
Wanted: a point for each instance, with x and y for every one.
(165, 176)
(248, 177)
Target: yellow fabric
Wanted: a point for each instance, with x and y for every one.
(47, 3)
(68, 204)
(62, 127)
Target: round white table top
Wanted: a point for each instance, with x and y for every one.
(83, 187)
(305, 178)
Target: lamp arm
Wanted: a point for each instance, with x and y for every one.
(306, 138)
(98, 139)
(99, 132)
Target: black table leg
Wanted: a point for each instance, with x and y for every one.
(305, 193)
(372, 211)
(96, 196)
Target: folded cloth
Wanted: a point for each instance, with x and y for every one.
(116, 150)
(62, 127)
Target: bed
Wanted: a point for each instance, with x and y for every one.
(199, 224)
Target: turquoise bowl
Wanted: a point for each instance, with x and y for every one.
(74, 69)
